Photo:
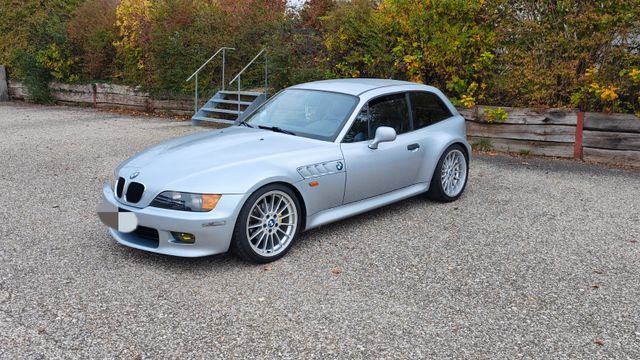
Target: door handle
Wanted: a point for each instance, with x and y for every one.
(413, 147)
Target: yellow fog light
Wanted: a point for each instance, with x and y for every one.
(184, 237)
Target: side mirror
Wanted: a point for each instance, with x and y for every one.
(383, 134)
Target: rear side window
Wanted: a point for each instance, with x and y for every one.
(427, 109)
(390, 110)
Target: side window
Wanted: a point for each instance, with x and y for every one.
(360, 128)
(390, 110)
(427, 109)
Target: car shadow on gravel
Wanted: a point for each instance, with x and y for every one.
(311, 237)
(173, 263)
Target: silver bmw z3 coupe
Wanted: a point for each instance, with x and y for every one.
(312, 154)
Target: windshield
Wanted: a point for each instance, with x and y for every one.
(309, 113)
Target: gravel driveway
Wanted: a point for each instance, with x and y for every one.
(539, 259)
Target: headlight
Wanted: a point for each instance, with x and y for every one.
(186, 201)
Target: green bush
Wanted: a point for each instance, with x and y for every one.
(39, 50)
(35, 77)
(92, 31)
(495, 115)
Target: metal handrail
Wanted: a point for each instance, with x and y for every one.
(239, 75)
(223, 49)
(206, 62)
(246, 67)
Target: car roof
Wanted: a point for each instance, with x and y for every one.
(351, 86)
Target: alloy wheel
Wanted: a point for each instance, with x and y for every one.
(272, 223)
(454, 173)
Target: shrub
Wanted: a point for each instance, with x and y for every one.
(444, 43)
(40, 53)
(359, 41)
(34, 76)
(133, 19)
(92, 31)
(551, 49)
(495, 115)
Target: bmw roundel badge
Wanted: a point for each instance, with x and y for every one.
(339, 165)
(134, 175)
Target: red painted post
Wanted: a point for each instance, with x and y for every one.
(577, 149)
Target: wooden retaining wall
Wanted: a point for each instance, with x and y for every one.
(611, 138)
(107, 96)
(597, 137)
(550, 132)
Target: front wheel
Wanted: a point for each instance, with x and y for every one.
(450, 176)
(268, 224)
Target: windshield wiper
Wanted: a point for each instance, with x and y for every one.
(245, 124)
(276, 129)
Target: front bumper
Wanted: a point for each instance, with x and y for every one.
(213, 230)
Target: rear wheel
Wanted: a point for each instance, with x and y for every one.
(268, 224)
(450, 176)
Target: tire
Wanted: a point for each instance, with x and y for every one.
(444, 187)
(262, 233)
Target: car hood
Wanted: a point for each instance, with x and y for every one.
(223, 160)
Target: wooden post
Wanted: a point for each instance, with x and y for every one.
(94, 98)
(577, 150)
(4, 85)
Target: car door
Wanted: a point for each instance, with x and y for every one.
(393, 165)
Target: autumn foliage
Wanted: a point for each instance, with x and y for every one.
(564, 53)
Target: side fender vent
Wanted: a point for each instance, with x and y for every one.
(321, 169)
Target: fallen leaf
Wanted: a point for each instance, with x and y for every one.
(598, 271)
(267, 267)
(336, 270)
(599, 342)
